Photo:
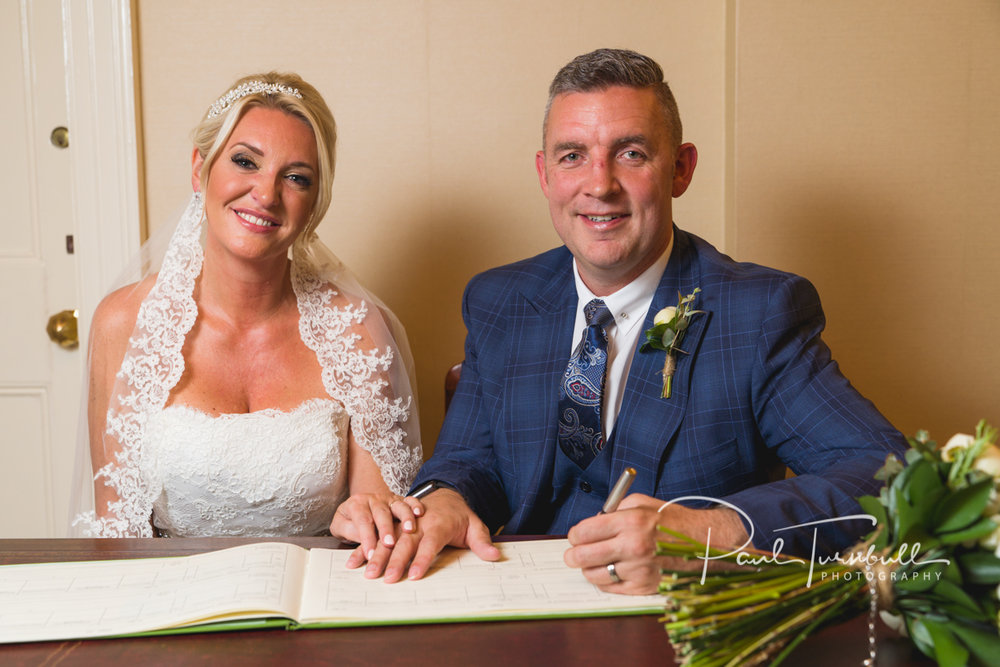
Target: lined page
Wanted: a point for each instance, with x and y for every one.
(531, 579)
(99, 598)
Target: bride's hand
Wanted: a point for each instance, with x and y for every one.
(371, 520)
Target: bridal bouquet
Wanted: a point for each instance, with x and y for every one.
(932, 567)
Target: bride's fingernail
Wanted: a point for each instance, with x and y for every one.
(388, 540)
(407, 525)
(371, 552)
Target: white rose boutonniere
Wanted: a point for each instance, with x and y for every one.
(668, 329)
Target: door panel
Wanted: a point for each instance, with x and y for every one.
(24, 464)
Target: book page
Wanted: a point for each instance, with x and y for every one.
(531, 579)
(98, 598)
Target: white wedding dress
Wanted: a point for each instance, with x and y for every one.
(261, 474)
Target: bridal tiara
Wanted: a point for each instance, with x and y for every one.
(250, 88)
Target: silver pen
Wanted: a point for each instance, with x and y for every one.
(618, 491)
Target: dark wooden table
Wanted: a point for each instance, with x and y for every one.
(610, 642)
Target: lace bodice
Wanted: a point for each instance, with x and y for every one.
(261, 474)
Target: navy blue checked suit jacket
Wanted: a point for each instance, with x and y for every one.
(758, 384)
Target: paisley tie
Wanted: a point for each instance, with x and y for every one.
(580, 434)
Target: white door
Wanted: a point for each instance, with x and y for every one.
(39, 380)
(42, 271)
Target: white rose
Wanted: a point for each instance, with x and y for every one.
(957, 441)
(989, 461)
(665, 315)
(894, 622)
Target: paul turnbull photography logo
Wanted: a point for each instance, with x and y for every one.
(864, 559)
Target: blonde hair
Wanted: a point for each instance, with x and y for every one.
(272, 90)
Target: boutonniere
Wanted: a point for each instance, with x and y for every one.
(666, 333)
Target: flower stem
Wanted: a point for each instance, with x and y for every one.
(669, 365)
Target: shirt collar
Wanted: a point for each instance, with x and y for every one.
(629, 304)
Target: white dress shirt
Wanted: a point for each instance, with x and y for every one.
(629, 306)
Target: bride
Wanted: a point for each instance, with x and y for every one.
(250, 385)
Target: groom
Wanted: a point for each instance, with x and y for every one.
(557, 397)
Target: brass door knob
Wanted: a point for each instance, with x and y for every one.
(60, 137)
(62, 329)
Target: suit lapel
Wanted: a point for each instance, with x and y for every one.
(542, 333)
(647, 423)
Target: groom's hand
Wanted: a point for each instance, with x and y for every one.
(626, 540)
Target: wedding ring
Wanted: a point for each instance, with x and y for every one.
(615, 579)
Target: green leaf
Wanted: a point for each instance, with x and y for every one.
(913, 456)
(913, 605)
(979, 529)
(913, 520)
(980, 567)
(924, 509)
(872, 505)
(653, 336)
(922, 443)
(920, 578)
(880, 535)
(922, 481)
(920, 635)
(913, 463)
(902, 513)
(947, 650)
(984, 645)
(990, 607)
(960, 509)
(892, 467)
(952, 572)
(950, 591)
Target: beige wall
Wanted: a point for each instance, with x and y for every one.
(868, 159)
(847, 143)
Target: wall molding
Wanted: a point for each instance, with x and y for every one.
(101, 97)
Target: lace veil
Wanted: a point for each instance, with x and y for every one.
(360, 345)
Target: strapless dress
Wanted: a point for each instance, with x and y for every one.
(261, 474)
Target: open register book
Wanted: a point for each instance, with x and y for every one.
(274, 584)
